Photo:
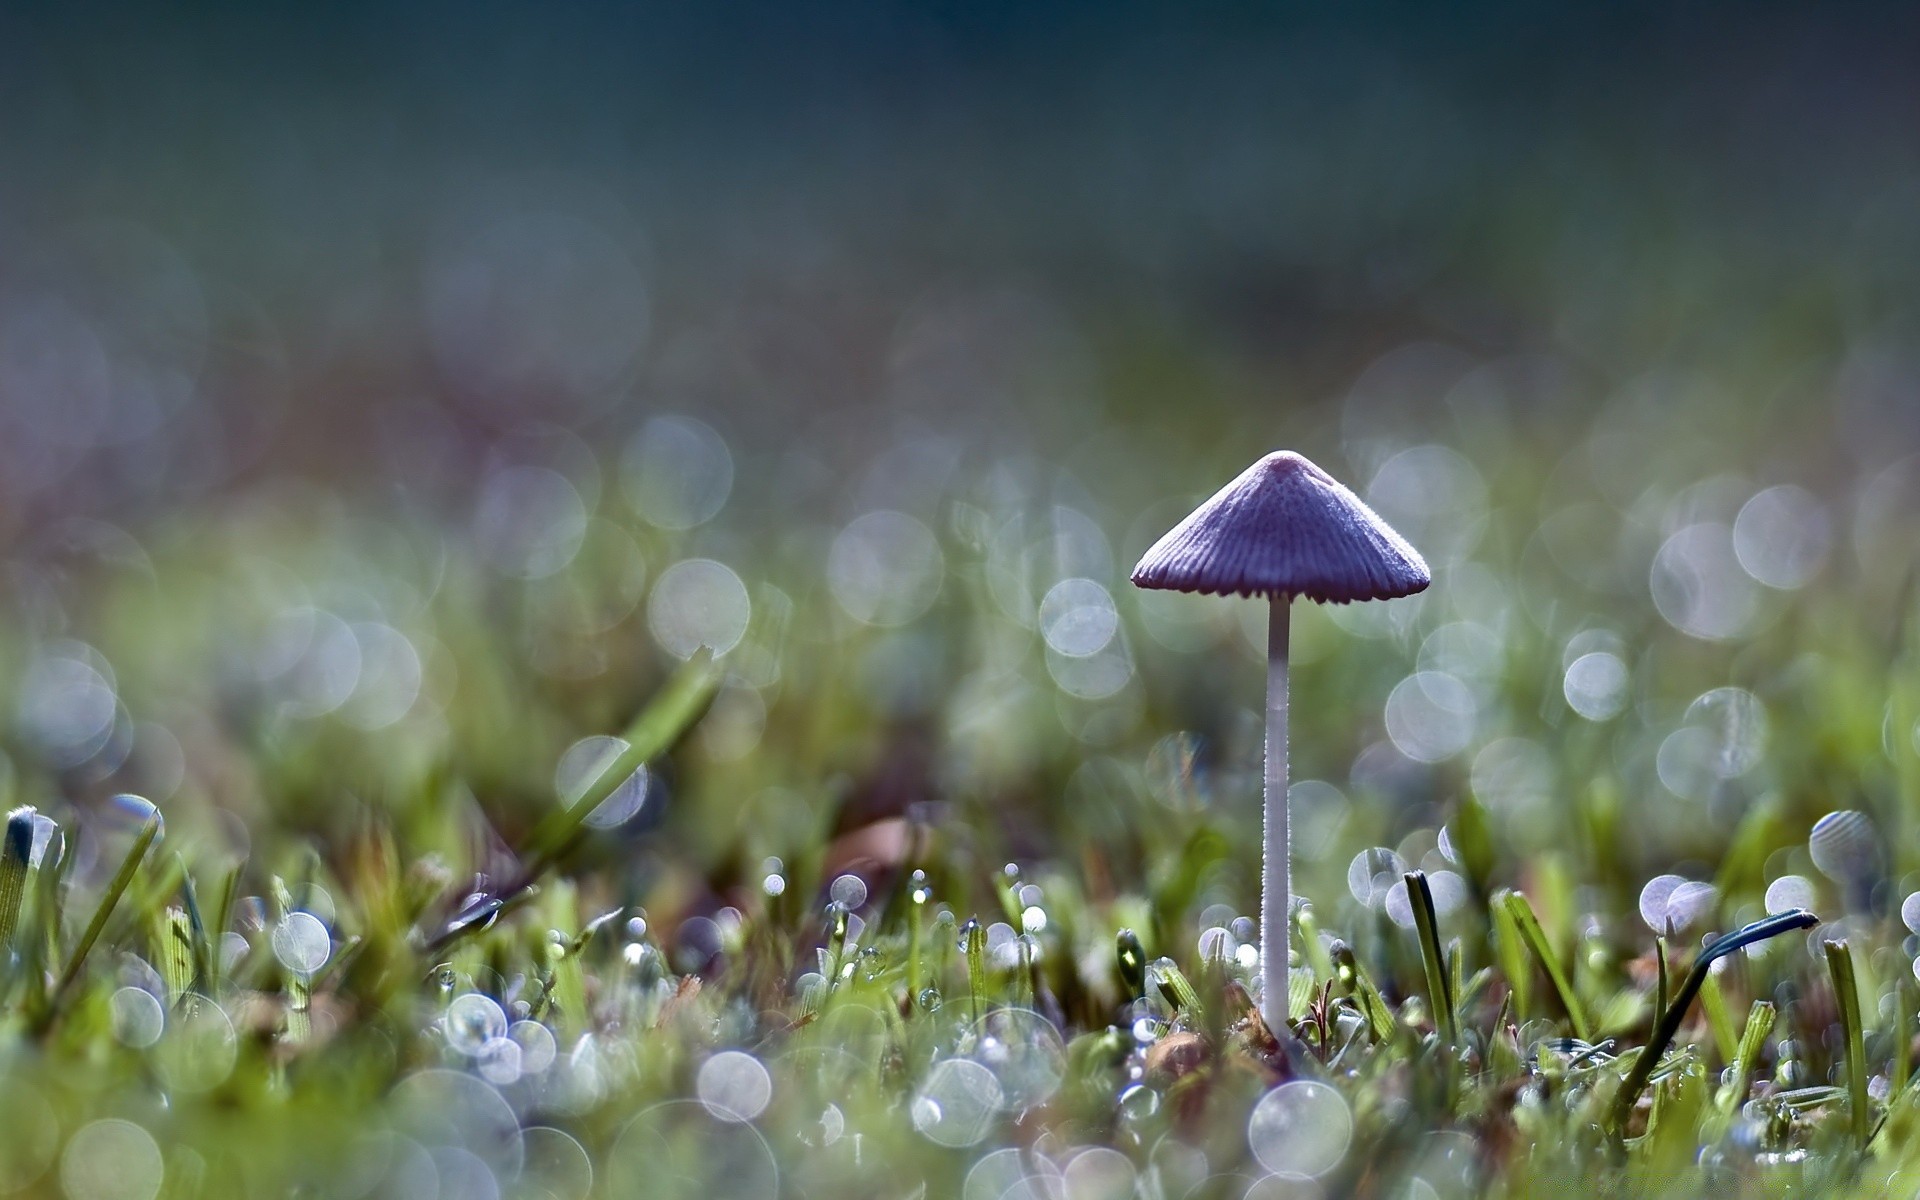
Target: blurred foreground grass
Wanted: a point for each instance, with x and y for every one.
(935, 882)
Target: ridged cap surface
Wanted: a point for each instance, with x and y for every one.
(1285, 527)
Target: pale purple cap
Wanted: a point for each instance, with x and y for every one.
(1285, 528)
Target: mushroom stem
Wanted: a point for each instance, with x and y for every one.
(1276, 883)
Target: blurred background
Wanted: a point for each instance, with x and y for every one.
(391, 395)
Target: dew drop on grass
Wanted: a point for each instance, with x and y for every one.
(583, 764)
(848, 891)
(734, 1085)
(1399, 906)
(1797, 891)
(698, 602)
(472, 1021)
(44, 829)
(301, 943)
(112, 1160)
(131, 813)
(1845, 845)
(138, 1018)
(1301, 1127)
(1910, 912)
(1372, 874)
(1595, 685)
(1691, 903)
(1654, 895)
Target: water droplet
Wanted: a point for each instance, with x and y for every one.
(473, 1020)
(1797, 891)
(302, 943)
(138, 1018)
(734, 1085)
(1373, 873)
(1677, 902)
(848, 891)
(1301, 1127)
(1845, 845)
(698, 602)
(1595, 685)
(582, 766)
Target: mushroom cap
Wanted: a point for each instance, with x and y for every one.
(1285, 528)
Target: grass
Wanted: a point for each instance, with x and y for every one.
(914, 911)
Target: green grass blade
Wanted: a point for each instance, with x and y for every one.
(1439, 986)
(1663, 987)
(1132, 959)
(1753, 1041)
(662, 723)
(1669, 1024)
(1353, 980)
(1520, 912)
(16, 851)
(1719, 1020)
(1510, 950)
(976, 935)
(1902, 1068)
(109, 900)
(1846, 995)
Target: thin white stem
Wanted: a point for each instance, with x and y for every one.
(1276, 867)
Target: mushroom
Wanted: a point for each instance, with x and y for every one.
(1284, 528)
